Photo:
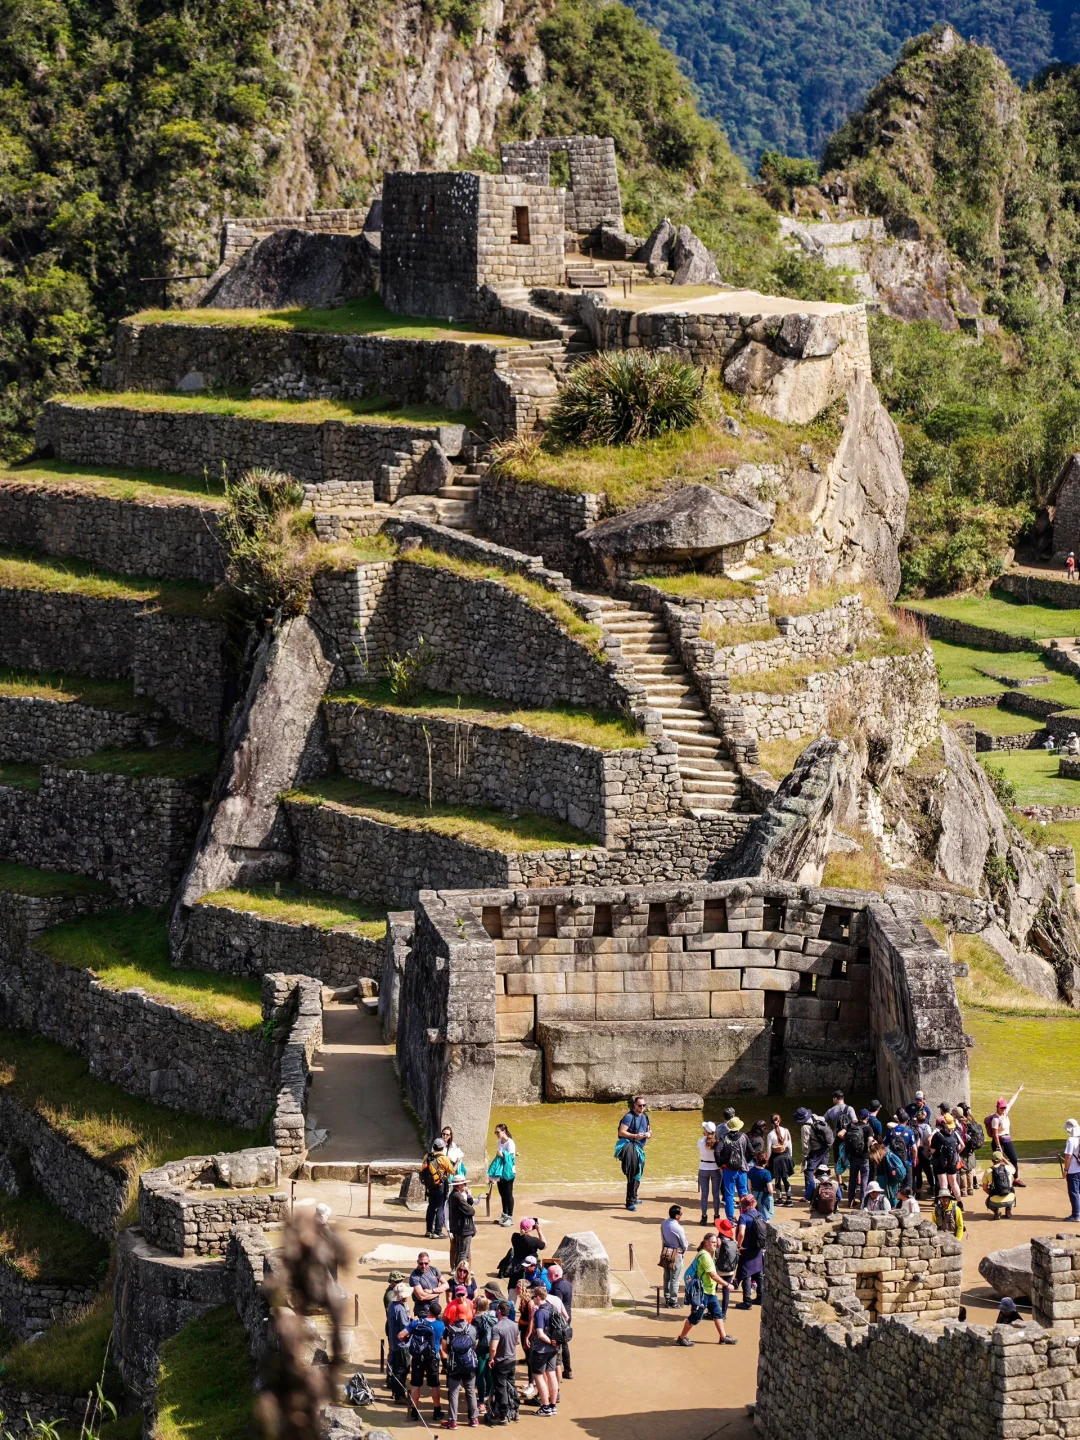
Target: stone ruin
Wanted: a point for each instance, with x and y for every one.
(860, 1331)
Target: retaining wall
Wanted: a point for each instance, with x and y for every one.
(183, 1210)
(169, 538)
(939, 627)
(542, 520)
(29, 1307)
(233, 941)
(1040, 589)
(296, 1002)
(33, 730)
(177, 661)
(802, 637)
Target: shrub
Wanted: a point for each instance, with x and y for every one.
(405, 673)
(259, 529)
(621, 396)
(1003, 788)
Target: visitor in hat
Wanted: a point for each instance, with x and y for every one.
(825, 1199)
(1008, 1314)
(856, 1137)
(528, 1239)
(534, 1273)
(727, 1260)
(945, 1153)
(708, 1171)
(999, 1132)
(838, 1117)
(1070, 1164)
(815, 1136)
(735, 1154)
(435, 1175)
(998, 1183)
(397, 1353)
(459, 1307)
(750, 1238)
(393, 1280)
(874, 1119)
(461, 1219)
(875, 1200)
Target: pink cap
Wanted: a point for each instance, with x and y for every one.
(1002, 1103)
(526, 1224)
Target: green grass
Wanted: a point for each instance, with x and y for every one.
(365, 316)
(378, 410)
(24, 880)
(1057, 832)
(163, 762)
(129, 948)
(69, 1358)
(472, 824)
(1002, 613)
(1043, 1053)
(120, 483)
(993, 721)
(989, 986)
(1035, 776)
(74, 690)
(21, 570)
(600, 728)
(206, 1380)
(118, 1129)
(43, 1246)
(693, 586)
(531, 591)
(293, 905)
(962, 671)
(20, 777)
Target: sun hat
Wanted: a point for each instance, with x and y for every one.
(949, 1122)
(1002, 1103)
(529, 1260)
(1072, 1129)
(802, 1116)
(822, 1170)
(873, 1188)
(461, 1179)
(1008, 1304)
(322, 1212)
(709, 1126)
(395, 1277)
(724, 1227)
(527, 1224)
(734, 1124)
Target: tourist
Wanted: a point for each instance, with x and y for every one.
(397, 1354)
(423, 1336)
(634, 1132)
(542, 1352)
(974, 1140)
(945, 1153)
(708, 1174)
(838, 1117)
(461, 1361)
(463, 1276)
(726, 1258)
(702, 1284)
(750, 1238)
(393, 1280)
(874, 1119)
(529, 1239)
(781, 1160)
(756, 1136)
(761, 1187)
(562, 1294)
(825, 1195)
(1074, 744)
(914, 1106)
(924, 1157)
(435, 1175)
(533, 1272)
(496, 1296)
(856, 1140)
(673, 1246)
(1008, 1314)
(461, 1220)
(1070, 1164)
(484, 1323)
(999, 1130)
(949, 1215)
(998, 1184)
(459, 1306)
(454, 1153)
(816, 1137)
(426, 1282)
(503, 1356)
(875, 1200)
(503, 1170)
(735, 1154)
(908, 1204)
(1070, 565)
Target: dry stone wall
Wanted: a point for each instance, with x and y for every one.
(940, 627)
(134, 833)
(30, 1307)
(35, 730)
(802, 637)
(233, 941)
(183, 1210)
(176, 661)
(296, 1002)
(593, 198)
(542, 520)
(170, 538)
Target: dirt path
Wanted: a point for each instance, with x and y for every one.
(355, 1093)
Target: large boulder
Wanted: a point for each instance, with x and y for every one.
(248, 1169)
(296, 269)
(691, 261)
(656, 251)
(692, 523)
(1008, 1272)
(611, 242)
(586, 1265)
(791, 839)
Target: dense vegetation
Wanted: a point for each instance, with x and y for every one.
(785, 74)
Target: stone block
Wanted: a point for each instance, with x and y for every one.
(519, 1075)
(770, 980)
(586, 1265)
(728, 1004)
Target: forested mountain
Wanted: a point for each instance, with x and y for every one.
(784, 74)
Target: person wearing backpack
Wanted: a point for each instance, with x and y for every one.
(856, 1137)
(998, 1184)
(503, 1406)
(825, 1199)
(999, 1132)
(817, 1138)
(459, 1356)
(750, 1238)
(892, 1173)
(423, 1336)
(435, 1175)
(562, 1301)
(875, 1200)
(703, 1286)
(949, 1215)
(461, 1220)
(945, 1155)
(673, 1246)
(397, 1355)
(542, 1353)
(726, 1259)
(734, 1153)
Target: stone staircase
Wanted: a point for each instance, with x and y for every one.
(455, 503)
(710, 781)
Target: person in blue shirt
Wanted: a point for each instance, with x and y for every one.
(634, 1131)
(422, 1337)
(534, 1272)
(874, 1119)
(761, 1187)
(397, 1323)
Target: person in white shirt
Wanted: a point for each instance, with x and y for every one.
(780, 1159)
(674, 1246)
(708, 1174)
(908, 1204)
(1071, 1165)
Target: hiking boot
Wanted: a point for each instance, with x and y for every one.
(631, 1207)
(685, 1341)
(744, 1305)
(567, 1375)
(704, 1219)
(729, 1340)
(436, 1414)
(1020, 1184)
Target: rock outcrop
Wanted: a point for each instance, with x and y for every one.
(1008, 1272)
(586, 1265)
(794, 365)
(656, 251)
(296, 269)
(790, 839)
(694, 522)
(691, 261)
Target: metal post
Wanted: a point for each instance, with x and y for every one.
(631, 1257)
(369, 1193)
(356, 1309)
(292, 1196)
(487, 1200)
(382, 1355)
(658, 1289)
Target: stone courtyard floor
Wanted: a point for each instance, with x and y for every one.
(630, 1382)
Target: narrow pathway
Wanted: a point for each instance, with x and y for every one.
(710, 780)
(355, 1094)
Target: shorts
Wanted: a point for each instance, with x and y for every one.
(540, 1362)
(710, 1308)
(424, 1370)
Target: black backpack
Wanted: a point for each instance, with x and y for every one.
(1000, 1180)
(976, 1135)
(898, 1145)
(461, 1349)
(558, 1327)
(855, 1142)
(821, 1136)
(732, 1154)
(948, 1148)
(761, 1231)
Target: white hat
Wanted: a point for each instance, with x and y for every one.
(1072, 1129)
(323, 1213)
(822, 1170)
(709, 1127)
(873, 1188)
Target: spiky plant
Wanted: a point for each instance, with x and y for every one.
(621, 396)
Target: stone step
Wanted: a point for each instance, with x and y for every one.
(466, 493)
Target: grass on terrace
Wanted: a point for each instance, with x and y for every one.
(44, 1246)
(695, 586)
(119, 483)
(364, 316)
(293, 905)
(24, 880)
(69, 1358)
(377, 410)
(130, 948)
(163, 762)
(20, 777)
(72, 689)
(112, 1126)
(531, 591)
(1057, 832)
(989, 986)
(778, 756)
(472, 824)
(1034, 773)
(21, 570)
(206, 1380)
(993, 721)
(603, 729)
(1005, 614)
(962, 671)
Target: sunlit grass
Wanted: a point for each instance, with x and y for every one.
(378, 410)
(21, 570)
(118, 483)
(293, 905)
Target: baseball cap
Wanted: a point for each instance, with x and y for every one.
(439, 1144)
(709, 1126)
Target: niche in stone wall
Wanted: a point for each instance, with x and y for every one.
(715, 917)
(658, 920)
(602, 924)
(491, 919)
(836, 924)
(545, 922)
(520, 234)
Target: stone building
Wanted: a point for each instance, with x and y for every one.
(445, 236)
(1064, 499)
(593, 197)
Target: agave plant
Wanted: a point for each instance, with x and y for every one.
(621, 396)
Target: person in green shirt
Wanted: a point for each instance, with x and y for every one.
(704, 1267)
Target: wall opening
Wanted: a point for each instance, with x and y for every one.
(519, 234)
(601, 924)
(772, 916)
(715, 917)
(657, 920)
(774, 1012)
(836, 924)
(491, 919)
(545, 922)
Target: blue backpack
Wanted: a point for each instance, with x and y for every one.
(895, 1166)
(422, 1339)
(461, 1359)
(694, 1289)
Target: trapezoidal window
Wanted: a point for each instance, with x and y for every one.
(519, 235)
(545, 922)
(602, 924)
(491, 919)
(658, 924)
